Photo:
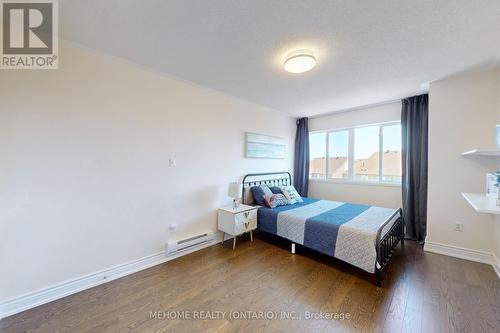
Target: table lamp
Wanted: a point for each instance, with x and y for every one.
(234, 191)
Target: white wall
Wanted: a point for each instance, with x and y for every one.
(496, 250)
(365, 116)
(84, 178)
(462, 116)
(380, 195)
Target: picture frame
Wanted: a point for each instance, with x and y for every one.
(264, 146)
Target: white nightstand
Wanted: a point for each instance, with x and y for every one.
(237, 221)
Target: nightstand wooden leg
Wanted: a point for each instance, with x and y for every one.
(223, 238)
(234, 242)
(251, 236)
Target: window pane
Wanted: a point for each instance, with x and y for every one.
(317, 153)
(366, 156)
(338, 146)
(391, 160)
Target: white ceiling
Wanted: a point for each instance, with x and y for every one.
(368, 51)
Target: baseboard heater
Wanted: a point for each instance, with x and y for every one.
(189, 243)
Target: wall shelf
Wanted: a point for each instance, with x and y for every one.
(482, 203)
(482, 152)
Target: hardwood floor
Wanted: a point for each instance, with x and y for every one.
(422, 292)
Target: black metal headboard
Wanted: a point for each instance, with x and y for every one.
(256, 179)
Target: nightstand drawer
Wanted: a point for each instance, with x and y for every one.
(245, 226)
(244, 217)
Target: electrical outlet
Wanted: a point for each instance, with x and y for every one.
(172, 227)
(172, 162)
(459, 226)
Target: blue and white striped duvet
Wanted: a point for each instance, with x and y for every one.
(341, 230)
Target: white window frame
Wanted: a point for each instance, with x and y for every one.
(351, 176)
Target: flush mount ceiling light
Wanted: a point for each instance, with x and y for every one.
(299, 62)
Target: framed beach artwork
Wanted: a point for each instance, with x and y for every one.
(264, 146)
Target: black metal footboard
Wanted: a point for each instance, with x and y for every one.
(387, 244)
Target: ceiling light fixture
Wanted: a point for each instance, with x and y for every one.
(299, 62)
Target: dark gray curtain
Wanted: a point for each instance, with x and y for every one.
(301, 162)
(414, 136)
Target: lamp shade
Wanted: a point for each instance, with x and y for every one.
(234, 190)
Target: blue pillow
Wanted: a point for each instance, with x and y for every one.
(259, 192)
(276, 190)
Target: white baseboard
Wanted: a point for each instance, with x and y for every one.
(459, 252)
(63, 289)
(496, 265)
(464, 253)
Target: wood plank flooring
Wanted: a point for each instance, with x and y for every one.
(422, 292)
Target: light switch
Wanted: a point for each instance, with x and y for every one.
(172, 162)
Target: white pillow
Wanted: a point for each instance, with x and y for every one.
(292, 195)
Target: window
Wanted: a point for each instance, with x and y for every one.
(317, 153)
(391, 158)
(338, 153)
(366, 153)
(362, 154)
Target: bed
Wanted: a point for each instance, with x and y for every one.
(361, 235)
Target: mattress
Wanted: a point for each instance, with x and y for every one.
(342, 230)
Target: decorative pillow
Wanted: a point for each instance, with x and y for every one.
(292, 195)
(259, 192)
(276, 190)
(275, 200)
